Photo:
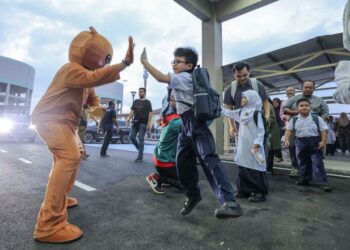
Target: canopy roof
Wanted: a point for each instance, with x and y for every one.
(314, 59)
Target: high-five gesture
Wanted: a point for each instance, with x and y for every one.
(144, 56)
(129, 57)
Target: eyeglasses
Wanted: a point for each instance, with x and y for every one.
(175, 62)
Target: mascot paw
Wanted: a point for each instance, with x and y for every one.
(67, 234)
(72, 202)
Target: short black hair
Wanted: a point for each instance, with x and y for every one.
(85, 106)
(313, 82)
(142, 88)
(110, 103)
(303, 100)
(190, 54)
(240, 65)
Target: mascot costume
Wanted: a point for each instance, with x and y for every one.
(56, 118)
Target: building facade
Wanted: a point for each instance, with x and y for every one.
(16, 86)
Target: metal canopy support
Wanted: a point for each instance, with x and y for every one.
(213, 13)
(297, 68)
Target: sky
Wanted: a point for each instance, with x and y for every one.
(39, 33)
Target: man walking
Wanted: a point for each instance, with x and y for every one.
(141, 112)
(243, 82)
(109, 119)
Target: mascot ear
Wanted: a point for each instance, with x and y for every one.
(93, 31)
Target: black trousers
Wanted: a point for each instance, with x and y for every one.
(195, 139)
(106, 140)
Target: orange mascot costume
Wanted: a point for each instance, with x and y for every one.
(56, 117)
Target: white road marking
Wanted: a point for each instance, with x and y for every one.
(3, 151)
(83, 186)
(24, 160)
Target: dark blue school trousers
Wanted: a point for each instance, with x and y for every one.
(196, 140)
(310, 159)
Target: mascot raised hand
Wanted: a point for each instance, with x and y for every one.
(56, 117)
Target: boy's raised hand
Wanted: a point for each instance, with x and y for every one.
(129, 57)
(144, 56)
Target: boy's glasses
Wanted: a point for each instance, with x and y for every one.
(175, 62)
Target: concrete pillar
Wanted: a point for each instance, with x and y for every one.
(212, 59)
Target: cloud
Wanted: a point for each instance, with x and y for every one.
(39, 33)
(280, 24)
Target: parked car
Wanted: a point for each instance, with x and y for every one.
(14, 127)
(92, 135)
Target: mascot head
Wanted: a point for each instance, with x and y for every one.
(90, 50)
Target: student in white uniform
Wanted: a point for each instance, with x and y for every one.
(250, 156)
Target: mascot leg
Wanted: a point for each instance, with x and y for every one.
(52, 225)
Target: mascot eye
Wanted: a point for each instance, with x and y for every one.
(108, 59)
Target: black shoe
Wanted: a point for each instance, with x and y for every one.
(241, 195)
(325, 187)
(104, 156)
(302, 183)
(190, 203)
(138, 159)
(229, 209)
(257, 197)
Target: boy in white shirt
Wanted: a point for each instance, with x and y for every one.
(311, 134)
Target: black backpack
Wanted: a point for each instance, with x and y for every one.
(206, 101)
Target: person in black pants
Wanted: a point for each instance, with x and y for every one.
(194, 138)
(109, 119)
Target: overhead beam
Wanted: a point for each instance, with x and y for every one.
(321, 43)
(199, 8)
(275, 60)
(227, 9)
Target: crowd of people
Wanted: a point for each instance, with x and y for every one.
(256, 121)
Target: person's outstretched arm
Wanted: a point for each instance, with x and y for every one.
(159, 76)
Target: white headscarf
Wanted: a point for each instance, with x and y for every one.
(254, 103)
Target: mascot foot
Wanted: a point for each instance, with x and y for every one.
(71, 202)
(67, 234)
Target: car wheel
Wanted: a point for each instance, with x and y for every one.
(125, 139)
(89, 137)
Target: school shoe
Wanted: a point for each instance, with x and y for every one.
(302, 183)
(278, 159)
(241, 195)
(152, 181)
(229, 209)
(85, 156)
(326, 187)
(138, 159)
(104, 156)
(257, 197)
(189, 204)
(293, 173)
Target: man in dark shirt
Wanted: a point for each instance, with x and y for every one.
(241, 84)
(109, 119)
(141, 111)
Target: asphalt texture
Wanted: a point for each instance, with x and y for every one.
(124, 213)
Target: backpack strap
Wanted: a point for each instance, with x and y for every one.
(314, 117)
(294, 119)
(253, 82)
(255, 85)
(233, 88)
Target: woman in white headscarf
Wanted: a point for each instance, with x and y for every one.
(250, 156)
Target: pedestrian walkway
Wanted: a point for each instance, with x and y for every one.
(335, 165)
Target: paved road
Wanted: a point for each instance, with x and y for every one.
(123, 213)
